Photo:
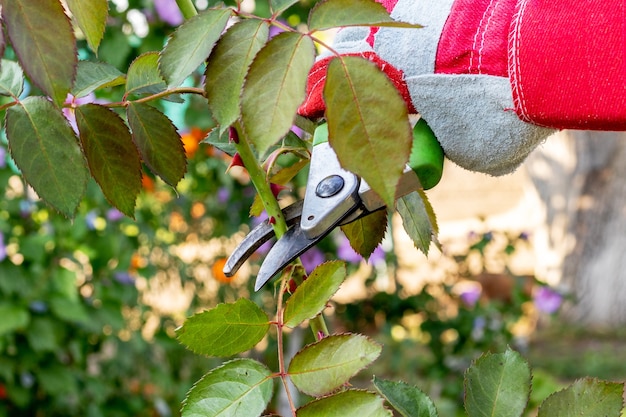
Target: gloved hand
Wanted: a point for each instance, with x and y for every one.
(494, 78)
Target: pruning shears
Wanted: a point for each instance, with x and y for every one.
(333, 197)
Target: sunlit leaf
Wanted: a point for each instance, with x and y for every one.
(228, 65)
(11, 78)
(225, 330)
(43, 39)
(312, 296)
(241, 387)
(419, 220)
(350, 403)
(91, 76)
(408, 400)
(191, 44)
(46, 150)
(339, 13)
(158, 141)
(366, 233)
(111, 155)
(91, 18)
(275, 87)
(143, 75)
(279, 6)
(497, 385)
(326, 365)
(586, 397)
(367, 123)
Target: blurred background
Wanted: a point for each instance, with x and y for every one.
(89, 307)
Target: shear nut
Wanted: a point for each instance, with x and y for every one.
(329, 186)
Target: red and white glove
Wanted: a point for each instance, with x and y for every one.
(494, 78)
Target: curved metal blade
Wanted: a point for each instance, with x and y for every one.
(257, 237)
(291, 245)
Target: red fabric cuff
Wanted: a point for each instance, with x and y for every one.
(314, 106)
(568, 63)
(474, 39)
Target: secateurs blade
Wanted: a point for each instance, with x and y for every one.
(333, 197)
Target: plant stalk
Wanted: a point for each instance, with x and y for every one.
(187, 8)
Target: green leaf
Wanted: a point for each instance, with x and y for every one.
(275, 88)
(366, 233)
(112, 158)
(158, 141)
(91, 18)
(350, 403)
(241, 387)
(225, 330)
(228, 65)
(91, 76)
(408, 400)
(311, 297)
(191, 44)
(326, 365)
(13, 318)
(143, 75)
(11, 79)
(368, 123)
(46, 150)
(339, 13)
(497, 385)
(69, 310)
(586, 397)
(43, 39)
(43, 334)
(279, 6)
(418, 218)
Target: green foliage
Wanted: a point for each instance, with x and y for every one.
(367, 233)
(191, 44)
(497, 385)
(274, 88)
(311, 297)
(225, 330)
(46, 150)
(239, 387)
(324, 366)
(113, 160)
(359, 131)
(588, 397)
(418, 218)
(408, 400)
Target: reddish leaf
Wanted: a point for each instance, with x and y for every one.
(46, 150)
(113, 159)
(43, 39)
(158, 141)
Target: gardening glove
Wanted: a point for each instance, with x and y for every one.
(494, 78)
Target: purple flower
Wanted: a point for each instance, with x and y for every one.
(470, 296)
(3, 157)
(168, 12)
(311, 259)
(124, 278)
(378, 256)
(223, 195)
(3, 248)
(547, 300)
(346, 253)
(114, 215)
